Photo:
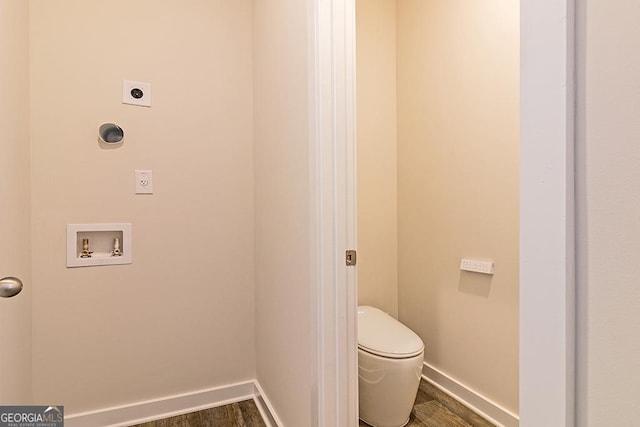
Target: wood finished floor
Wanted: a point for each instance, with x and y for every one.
(241, 414)
(433, 408)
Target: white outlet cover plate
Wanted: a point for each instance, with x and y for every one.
(127, 98)
(144, 182)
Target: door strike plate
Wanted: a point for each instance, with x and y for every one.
(351, 257)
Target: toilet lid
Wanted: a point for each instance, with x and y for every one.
(381, 334)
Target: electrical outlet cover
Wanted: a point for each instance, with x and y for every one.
(144, 182)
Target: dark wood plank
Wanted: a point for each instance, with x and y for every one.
(225, 416)
(433, 414)
(241, 414)
(453, 405)
(251, 414)
(178, 421)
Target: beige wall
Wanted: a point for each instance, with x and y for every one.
(181, 317)
(15, 313)
(457, 180)
(282, 207)
(458, 187)
(608, 212)
(377, 159)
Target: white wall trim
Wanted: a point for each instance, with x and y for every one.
(169, 406)
(547, 232)
(266, 409)
(332, 212)
(473, 400)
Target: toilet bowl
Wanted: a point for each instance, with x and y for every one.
(390, 357)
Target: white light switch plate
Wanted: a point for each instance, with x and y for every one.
(144, 182)
(476, 266)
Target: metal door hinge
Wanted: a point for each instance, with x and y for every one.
(351, 257)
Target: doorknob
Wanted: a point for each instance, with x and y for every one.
(10, 286)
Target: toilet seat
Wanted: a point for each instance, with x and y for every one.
(382, 335)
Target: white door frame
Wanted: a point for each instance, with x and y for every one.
(547, 296)
(333, 215)
(547, 232)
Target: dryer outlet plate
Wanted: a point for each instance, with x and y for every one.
(136, 93)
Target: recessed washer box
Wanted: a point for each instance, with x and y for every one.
(102, 248)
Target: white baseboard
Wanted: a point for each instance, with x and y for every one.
(150, 410)
(478, 403)
(267, 411)
(170, 406)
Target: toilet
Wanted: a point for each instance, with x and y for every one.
(390, 357)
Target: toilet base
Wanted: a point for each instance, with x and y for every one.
(387, 388)
(372, 425)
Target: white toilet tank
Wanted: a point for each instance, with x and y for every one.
(390, 357)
